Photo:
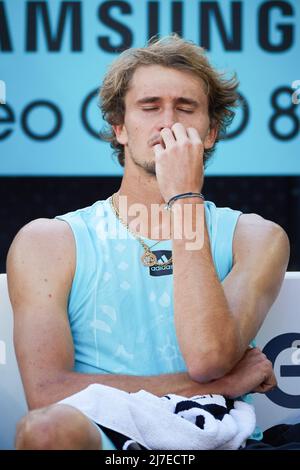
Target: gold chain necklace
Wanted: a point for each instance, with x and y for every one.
(148, 258)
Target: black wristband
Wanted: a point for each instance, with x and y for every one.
(171, 201)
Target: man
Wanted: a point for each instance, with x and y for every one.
(92, 308)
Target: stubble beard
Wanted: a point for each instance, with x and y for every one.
(148, 167)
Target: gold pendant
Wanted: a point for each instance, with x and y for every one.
(149, 259)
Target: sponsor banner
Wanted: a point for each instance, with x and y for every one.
(53, 56)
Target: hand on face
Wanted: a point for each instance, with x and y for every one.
(179, 160)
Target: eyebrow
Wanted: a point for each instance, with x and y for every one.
(180, 100)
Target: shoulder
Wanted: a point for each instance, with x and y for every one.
(51, 234)
(256, 236)
(44, 227)
(43, 244)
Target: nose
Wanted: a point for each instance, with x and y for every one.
(167, 119)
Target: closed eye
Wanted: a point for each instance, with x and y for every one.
(186, 110)
(153, 108)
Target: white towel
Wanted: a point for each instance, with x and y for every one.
(165, 423)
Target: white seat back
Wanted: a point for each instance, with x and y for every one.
(279, 338)
(12, 399)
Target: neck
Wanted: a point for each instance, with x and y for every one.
(141, 188)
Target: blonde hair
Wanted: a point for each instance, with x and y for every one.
(175, 52)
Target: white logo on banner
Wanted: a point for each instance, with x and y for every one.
(2, 92)
(296, 94)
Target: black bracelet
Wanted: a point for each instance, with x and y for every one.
(171, 201)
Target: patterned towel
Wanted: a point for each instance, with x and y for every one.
(142, 420)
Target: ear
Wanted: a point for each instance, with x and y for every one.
(121, 133)
(210, 137)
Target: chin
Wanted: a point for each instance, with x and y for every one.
(148, 167)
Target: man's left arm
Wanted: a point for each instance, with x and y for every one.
(260, 258)
(215, 322)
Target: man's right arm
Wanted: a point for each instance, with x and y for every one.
(40, 268)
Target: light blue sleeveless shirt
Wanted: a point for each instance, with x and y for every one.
(121, 312)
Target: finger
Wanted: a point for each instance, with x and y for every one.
(179, 132)
(158, 150)
(264, 388)
(167, 137)
(269, 383)
(194, 135)
(261, 388)
(272, 380)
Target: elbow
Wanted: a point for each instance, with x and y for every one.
(205, 371)
(218, 359)
(212, 365)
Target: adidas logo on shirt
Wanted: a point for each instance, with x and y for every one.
(162, 256)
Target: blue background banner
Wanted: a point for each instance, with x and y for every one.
(53, 56)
